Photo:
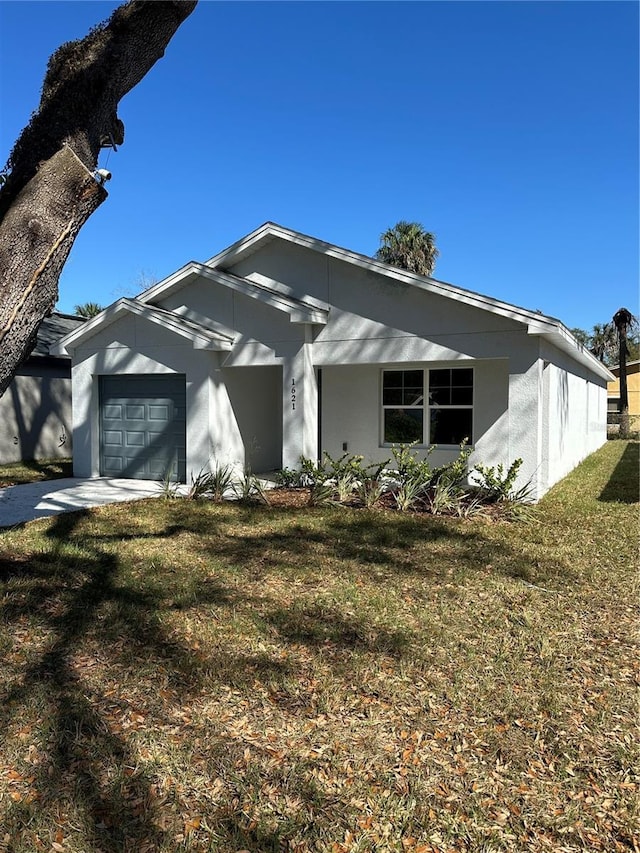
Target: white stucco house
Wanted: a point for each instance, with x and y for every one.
(284, 346)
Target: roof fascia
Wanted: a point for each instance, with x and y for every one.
(536, 323)
(200, 337)
(270, 230)
(66, 344)
(172, 282)
(298, 310)
(562, 338)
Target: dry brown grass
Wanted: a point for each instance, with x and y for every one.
(183, 675)
(35, 470)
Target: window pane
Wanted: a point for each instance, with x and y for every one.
(413, 378)
(413, 396)
(403, 388)
(392, 397)
(392, 379)
(450, 426)
(402, 426)
(440, 396)
(462, 396)
(462, 376)
(439, 379)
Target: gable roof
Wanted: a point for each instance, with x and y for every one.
(536, 323)
(299, 310)
(280, 297)
(52, 328)
(201, 336)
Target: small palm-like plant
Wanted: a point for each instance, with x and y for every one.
(221, 481)
(409, 493)
(370, 490)
(248, 489)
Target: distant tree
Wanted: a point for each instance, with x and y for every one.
(582, 336)
(50, 187)
(624, 321)
(603, 342)
(633, 342)
(88, 309)
(408, 246)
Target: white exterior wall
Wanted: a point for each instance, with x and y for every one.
(352, 412)
(574, 422)
(35, 414)
(139, 347)
(246, 417)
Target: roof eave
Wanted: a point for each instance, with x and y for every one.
(200, 339)
(561, 338)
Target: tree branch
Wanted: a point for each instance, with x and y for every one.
(49, 191)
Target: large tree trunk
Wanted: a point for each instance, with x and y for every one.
(50, 191)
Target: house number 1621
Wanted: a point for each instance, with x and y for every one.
(293, 394)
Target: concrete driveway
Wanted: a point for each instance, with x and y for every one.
(51, 497)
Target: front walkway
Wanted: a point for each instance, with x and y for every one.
(51, 497)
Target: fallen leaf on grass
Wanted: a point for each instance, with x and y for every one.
(191, 824)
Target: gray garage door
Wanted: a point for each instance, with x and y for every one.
(143, 427)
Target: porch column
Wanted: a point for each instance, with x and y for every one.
(299, 407)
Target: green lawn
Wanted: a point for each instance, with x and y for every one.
(16, 473)
(185, 675)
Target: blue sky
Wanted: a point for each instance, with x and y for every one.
(509, 129)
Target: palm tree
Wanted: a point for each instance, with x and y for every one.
(408, 246)
(624, 321)
(602, 341)
(582, 336)
(88, 309)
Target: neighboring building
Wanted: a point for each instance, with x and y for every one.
(35, 410)
(633, 391)
(284, 346)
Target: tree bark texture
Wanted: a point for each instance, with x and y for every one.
(623, 405)
(50, 191)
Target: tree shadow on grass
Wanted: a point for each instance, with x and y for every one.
(86, 765)
(77, 595)
(377, 546)
(624, 484)
(322, 626)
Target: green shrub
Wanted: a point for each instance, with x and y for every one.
(289, 478)
(495, 485)
(248, 489)
(370, 491)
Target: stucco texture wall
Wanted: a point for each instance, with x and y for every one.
(574, 415)
(35, 415)
(351, 412)
(135, 346)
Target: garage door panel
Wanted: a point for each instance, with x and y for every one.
(113, 411)
(135, 439)
(135, 412)
(159, 413)
(115, 463)
(143, 427)
(112, 437)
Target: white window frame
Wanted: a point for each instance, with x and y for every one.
(426, 409)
